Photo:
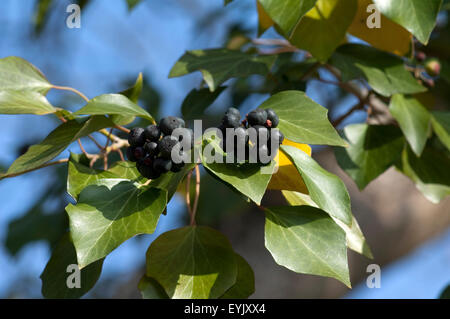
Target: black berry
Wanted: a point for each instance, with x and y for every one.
(136, 137)
(166, 145)
(152, 133)
(231, 121)
(130, 154)
(162, 165)
(233, 111)
(257, 117)
(177, 167)
(151, 148)
(273, 117)
(147, 170)
(168, 124)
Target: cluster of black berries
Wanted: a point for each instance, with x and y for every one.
(151, 147)
(263, 121)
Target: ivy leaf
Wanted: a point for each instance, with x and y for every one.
(384, 72)
(16, 74)
(79, 175)
(429, 172)
(58, 140)
(373, 149)
(194, 262)
(302, 120)
(264, 20)
(441, 126)
(245, 281)
(133, 94)
(323, 28)
(197, 101)
(56, 275)
(325, 188)
(246, 178)
(219, 65)
(113, 104)
(416, 16)
(413, 118)
(287, 177)
(306, 240)
(354, 237)
(151, 289)
(288, 14)
(398, 41)
(132, 3)
(26, 102)
(109, 212)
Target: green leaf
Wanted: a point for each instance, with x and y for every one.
(56, 276)
(323, 28)
(110, 212)
(151, 289)
(302, 120)
(194, 262)
(197, 101)
(113, 104)
(219, 65)
(306, 240)
(413, 118)
(429, 172)
(16, 74)
(57, 141)
(81, 175)
(246, 178)
(225, 2)
(132, 3)
(373, 149)
(325, 188)
(245, 281)
(354, 237)
(416, 16)
(287, 14)
(384, 72)
(133, 94)
(441, 126)
(26, 102)
(445, 294)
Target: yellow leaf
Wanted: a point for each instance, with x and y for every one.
(265, 22)
(391, 37)
(287, 177)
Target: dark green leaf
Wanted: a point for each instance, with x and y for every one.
(245, 281)
(16, 74)
(302, 120)
(445, 294)
(325, 188)
(354, 237)
(441, 126)
(56, 276)
(429, 172)
(306, 240)
(197, 101)
(288, 13)
(192, 262)
(416, 16)
(151, 289)
(384, 72)
(132, 4)
(323, 28)
(113, 104)
(109, 212)
(219, 65)
(373, 149)
(57, 141)
(413, 118)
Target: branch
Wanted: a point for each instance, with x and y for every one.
(66, 88)
(197, 194)
(65, 160)
(188, 193)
